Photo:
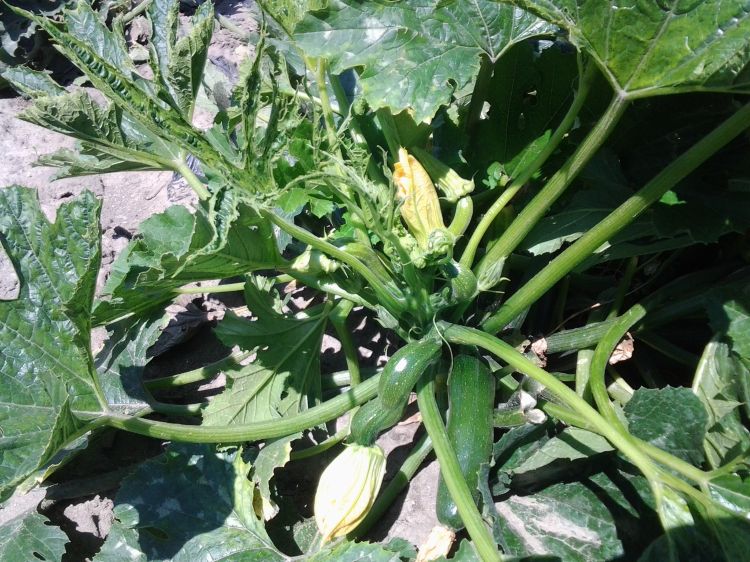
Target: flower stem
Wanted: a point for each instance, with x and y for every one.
(338, 318)
(451, 471)
(388, 495)
(197, 375)
(239, 433)
(587, 245)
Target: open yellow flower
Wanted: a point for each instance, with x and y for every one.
(347, 489)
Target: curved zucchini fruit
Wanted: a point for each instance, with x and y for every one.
(404, 369)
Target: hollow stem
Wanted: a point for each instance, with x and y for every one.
(213, 289)
(197, 375)
(451, 471)
(338, 318)
(239, 433)
(587, 245)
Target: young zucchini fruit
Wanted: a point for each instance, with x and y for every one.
(371, 420)
(471, 400)
(404, 369)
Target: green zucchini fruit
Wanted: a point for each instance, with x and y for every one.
(371, 420)
(471, 401)
(404, 369)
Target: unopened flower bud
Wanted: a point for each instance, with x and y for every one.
(347, 489)
(447, 180)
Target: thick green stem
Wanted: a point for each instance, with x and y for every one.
(388, 495)
(338, 318)
(213, 289)
(584, 86)
(266, 429)
(395, 304)
(332, 441)
(135, 12)
(182, 410)
(451, 471)
(181, 167)
(600, 360)
(197, 375)
(325, 103)
(623, 286)
(587, 245)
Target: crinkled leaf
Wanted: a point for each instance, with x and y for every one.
(729, 311)
(717, 383)
(188, 504)
(355, 552)
(673, 419)
(224, 238)
(412, 51)
(732, 492)
(284, 377)
(45, 368)
(31, 537)
(187, 58)
(652, 47)
(32, 83)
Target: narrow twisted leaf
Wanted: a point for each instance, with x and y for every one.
(45, 368)
(414, 53)
(652, 47)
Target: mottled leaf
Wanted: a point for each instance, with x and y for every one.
(673, 419)
(569, 445)
(32, 83)
(568, 520)
(733, 492)
(31, 537)
(652, 47)
(274, 454)
(414, 53)
(189, 504)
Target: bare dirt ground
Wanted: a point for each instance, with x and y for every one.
(80, 498)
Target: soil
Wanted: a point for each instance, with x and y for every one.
(79, 498)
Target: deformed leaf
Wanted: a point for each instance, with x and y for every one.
(412, 51)
(223, 238)
(33, 83)
(45, 367)
(569, 445)
(717, 383)
(673, 419)
(274, 454)
(653, 47)
(31, 537)
(733, 492)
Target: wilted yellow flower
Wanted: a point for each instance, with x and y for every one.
(420, 207)
(347, 489)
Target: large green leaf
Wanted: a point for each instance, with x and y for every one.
(569, 445)
(718, 383)
(192, 504)
(31, 537)
(284, 377)
(571, 521)
(652, 47)
(527, 96)
(673, 419)
(46, 372)
(414, 53)
(223, 238)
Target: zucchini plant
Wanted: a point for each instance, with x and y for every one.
(545, 201)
